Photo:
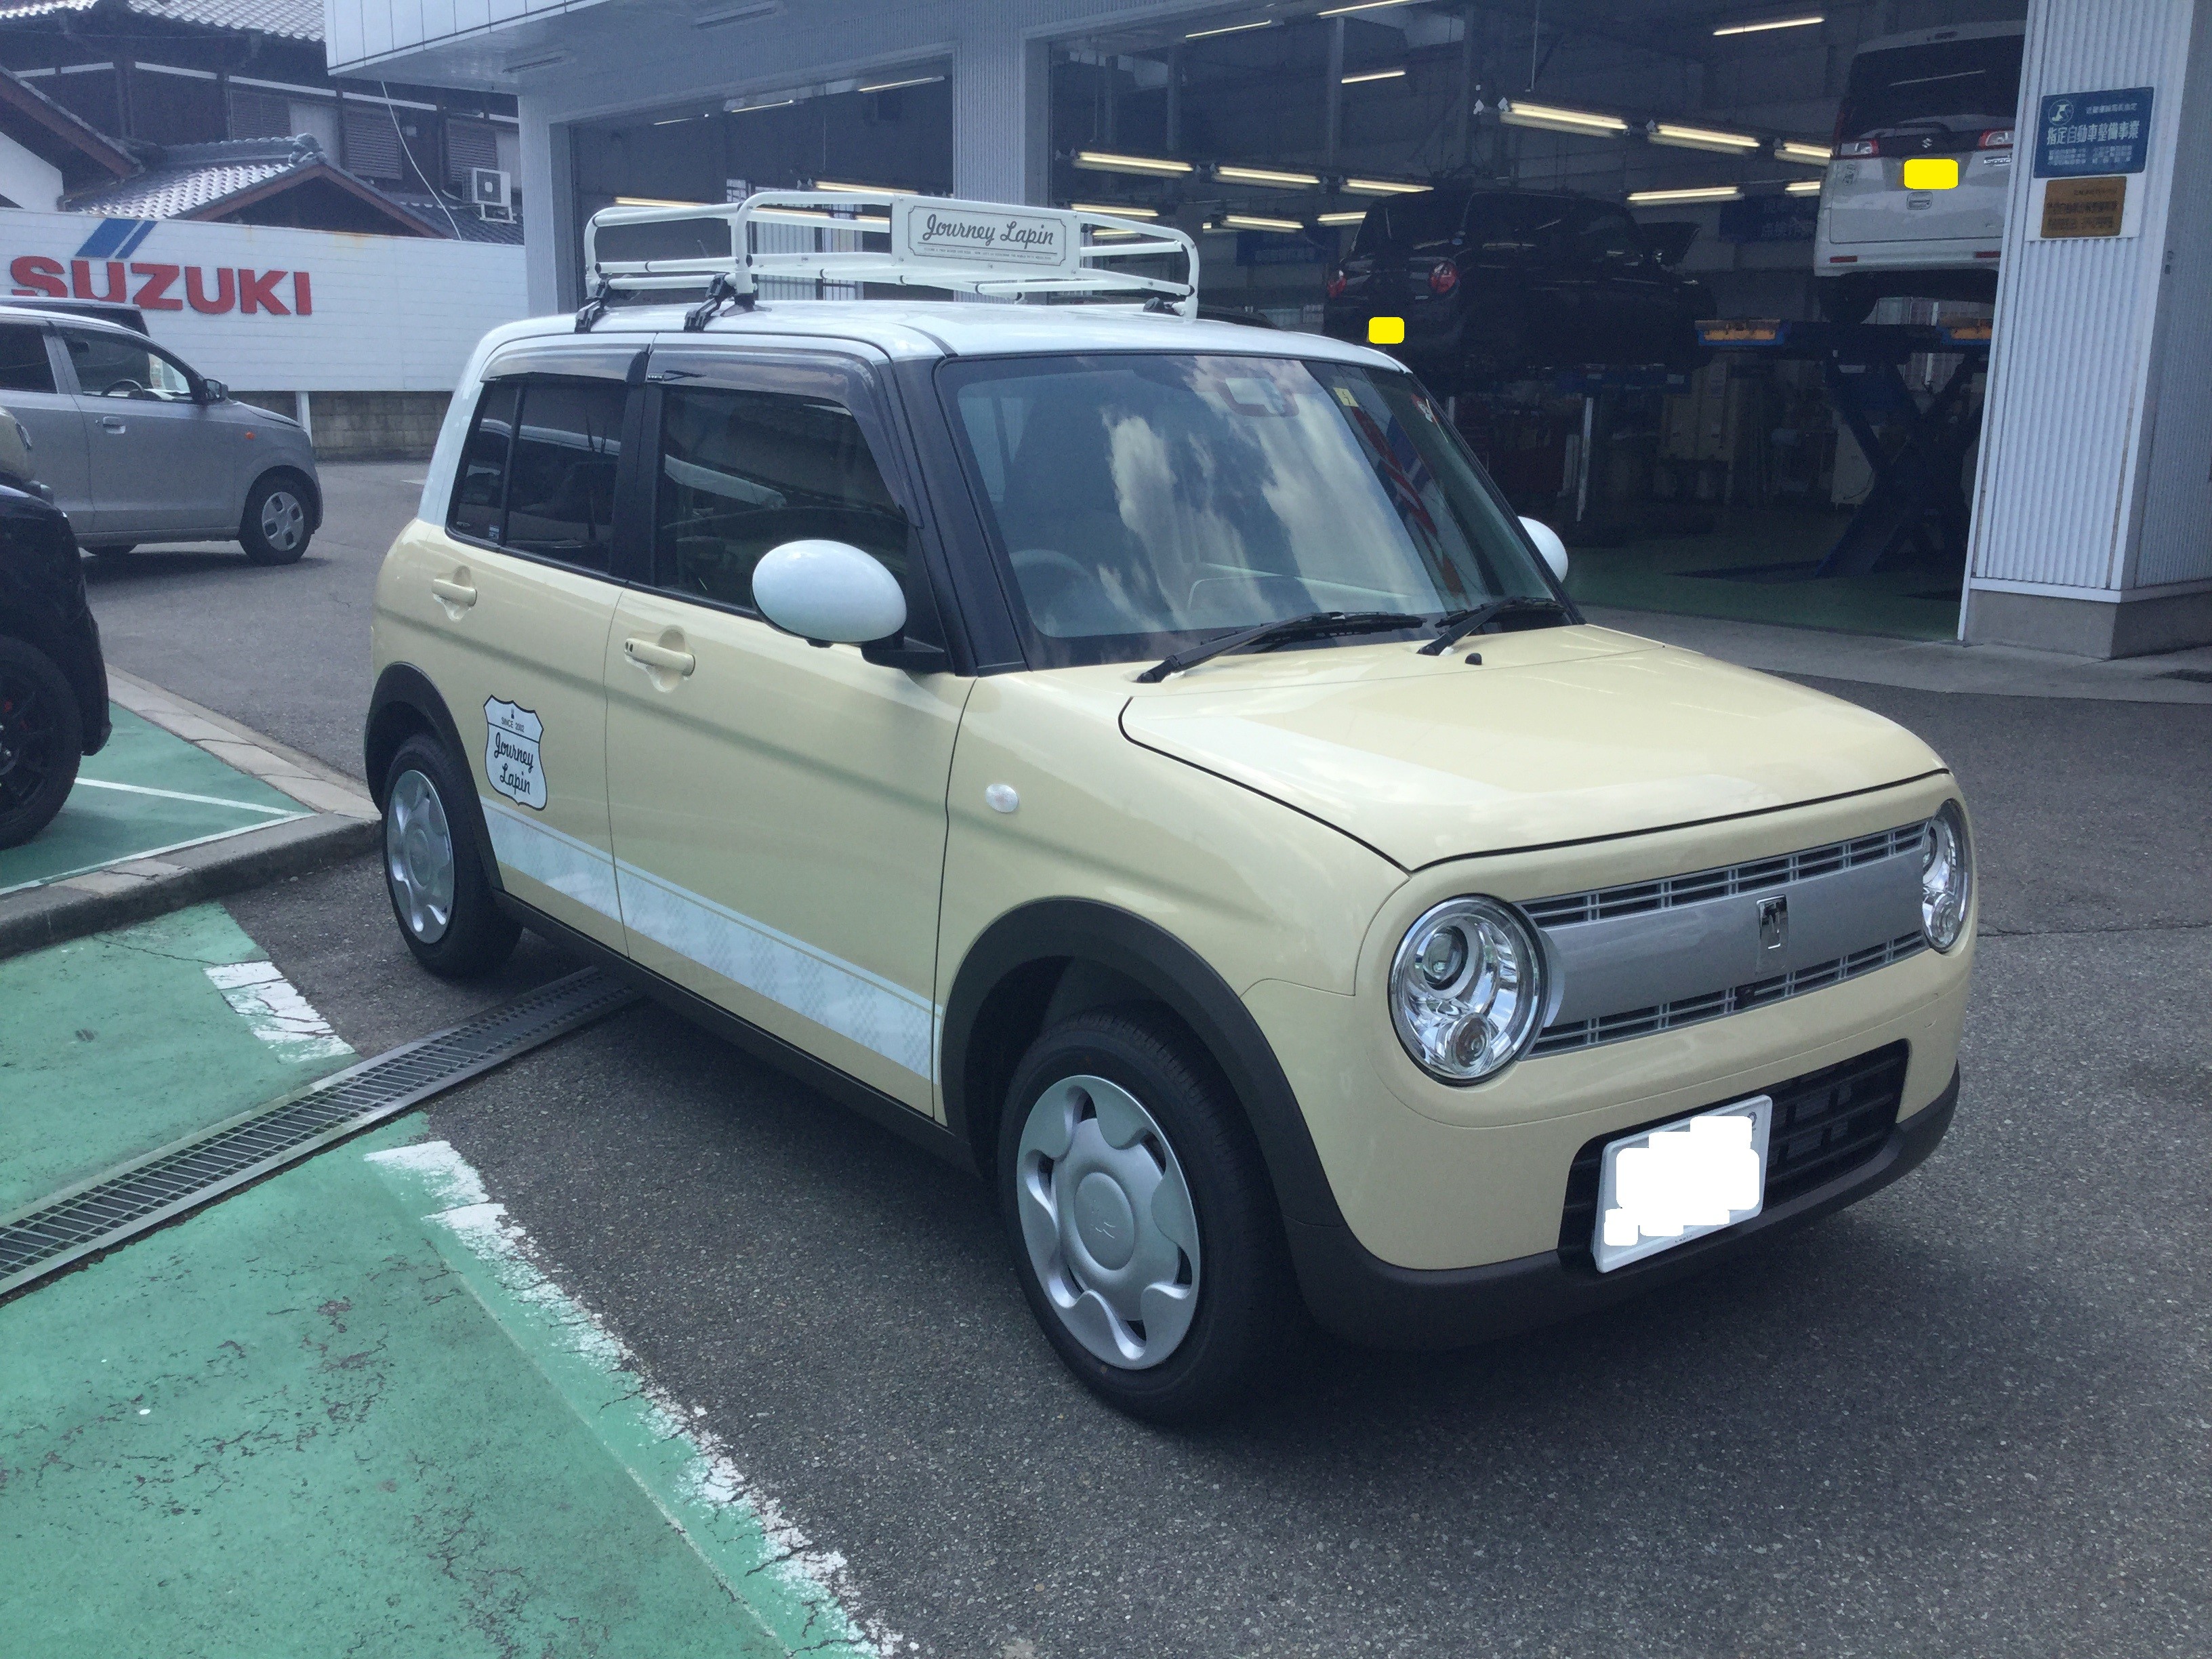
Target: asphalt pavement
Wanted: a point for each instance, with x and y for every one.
(1968, 1416)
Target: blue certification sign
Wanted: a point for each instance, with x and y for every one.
(2085, 135)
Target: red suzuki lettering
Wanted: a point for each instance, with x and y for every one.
(36, 274)
(160, 279)
(259, 293)
(226, 293)
(303, 297)
(119, 280)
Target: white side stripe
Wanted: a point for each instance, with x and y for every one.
(574, 868)
(841, 996)
(889, 1019)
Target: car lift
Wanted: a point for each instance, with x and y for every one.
(1916, 497)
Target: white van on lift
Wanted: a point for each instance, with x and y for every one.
(1914, 202)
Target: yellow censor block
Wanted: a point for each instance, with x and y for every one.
(1386, 331)
(1931, 172)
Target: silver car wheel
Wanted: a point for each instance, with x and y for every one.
(284, 520)
(418, 857)
(1107, 1216)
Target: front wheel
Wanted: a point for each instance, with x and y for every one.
(1142, 1223)
(42, 740)
(439, 895)
(275, 530)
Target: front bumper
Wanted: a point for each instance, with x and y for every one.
(1360, 1296)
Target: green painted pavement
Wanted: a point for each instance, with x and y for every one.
(114, 1045)
(289, 1427)
(148, 790)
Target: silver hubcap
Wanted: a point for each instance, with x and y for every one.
(418, 857)
(283, 520)
(1108, 1219)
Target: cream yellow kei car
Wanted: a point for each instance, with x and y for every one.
(1145, 761)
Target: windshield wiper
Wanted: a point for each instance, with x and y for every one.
(1460, 623)
(1314, 625)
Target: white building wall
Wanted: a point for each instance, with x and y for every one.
(2074, 504)
(26, 179)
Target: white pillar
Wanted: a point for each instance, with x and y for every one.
(2095, 481)
(1001, 139)
(549, 209)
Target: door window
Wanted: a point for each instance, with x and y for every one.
(538, 474)
(1608, 237)
(744, 472)
(23, 363)
(116, 365)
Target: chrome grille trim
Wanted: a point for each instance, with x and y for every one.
(1692, 1010)
(1754, 875)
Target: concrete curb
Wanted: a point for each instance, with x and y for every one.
(344, 824)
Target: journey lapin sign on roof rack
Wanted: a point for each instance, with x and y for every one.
(992, 249)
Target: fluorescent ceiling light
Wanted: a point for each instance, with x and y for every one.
(911, 81)
(675, 120)
(1681, 137)
(1761, 27)
(1105, 160)
(1351, 218)
(844, 189)
(722, 15)
(1366, 76)
(1814, 155)
(784, 215)
(1124, 212)
(1701, 193)
(1209, 228)
(1254, 221)
(740, 106)
(1383, 187)
(1363, 5)
(1109, 233)
(1802, 187)
(1229, 28)
(653, 201)
(1515, 113)
(1269, 177)
(517, 68)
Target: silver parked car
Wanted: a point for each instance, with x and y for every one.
(137, 447)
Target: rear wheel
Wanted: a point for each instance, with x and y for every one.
(275, 530)
(1845, 299)
(42, 740)
(1142, 1221)
(435, 880)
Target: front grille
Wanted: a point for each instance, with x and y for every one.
(1690, 1011)
(1753, 876)
(1823, 1125)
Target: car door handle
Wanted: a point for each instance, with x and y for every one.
(458, 594)
(112, 422)
(648, 653)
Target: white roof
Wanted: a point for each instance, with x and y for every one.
(907, 329)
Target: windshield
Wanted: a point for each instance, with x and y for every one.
(1145, 502)
(1961, 83)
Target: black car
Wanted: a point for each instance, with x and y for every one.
(53, 683)
(1502, 284)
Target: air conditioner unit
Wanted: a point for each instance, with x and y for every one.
(491, 192)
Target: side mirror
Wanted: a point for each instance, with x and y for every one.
(828, 593)
(1549, 545)
(214, 391)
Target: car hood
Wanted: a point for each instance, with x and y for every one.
(1566, 734)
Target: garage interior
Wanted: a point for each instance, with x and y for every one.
(1720, 484)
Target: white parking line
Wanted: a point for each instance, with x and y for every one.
(178, 794)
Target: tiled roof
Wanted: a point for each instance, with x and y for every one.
(191, 176)
(292, 20)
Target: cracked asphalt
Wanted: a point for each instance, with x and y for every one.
(1971, 1415)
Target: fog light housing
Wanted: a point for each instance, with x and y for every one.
(1947, 877)
(1466, 988)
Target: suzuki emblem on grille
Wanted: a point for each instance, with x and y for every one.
(1773, 923)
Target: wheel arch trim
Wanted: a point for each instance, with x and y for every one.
(404, 697)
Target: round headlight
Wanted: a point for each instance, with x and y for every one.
(1947, 876)
(1466, 988)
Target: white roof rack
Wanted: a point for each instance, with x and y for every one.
(987, 248)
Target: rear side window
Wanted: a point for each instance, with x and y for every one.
(1411, 221)
(23, 364)
(538, 475)
(744, 472)
(1963, 83)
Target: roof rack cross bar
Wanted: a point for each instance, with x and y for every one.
(993, 250)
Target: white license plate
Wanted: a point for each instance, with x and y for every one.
(1667, 1185)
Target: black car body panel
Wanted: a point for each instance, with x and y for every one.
(1503, 284)
(43, 602)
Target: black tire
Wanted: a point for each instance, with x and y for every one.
(42, 740)
(1845, 299)
(276, 526)
(474, 937)
(1246, 1296)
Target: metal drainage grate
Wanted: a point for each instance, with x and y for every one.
(142, 1195)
